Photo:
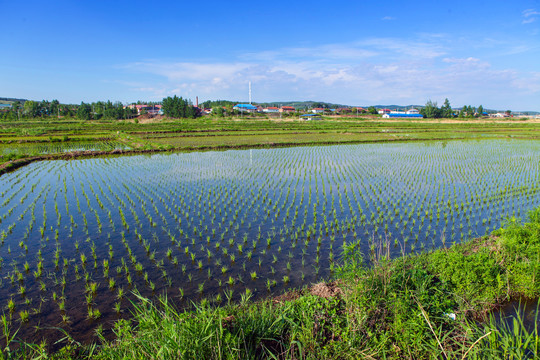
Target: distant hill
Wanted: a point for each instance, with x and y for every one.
(419, 107)
(304, 104)
(396, 107)
(5, 100)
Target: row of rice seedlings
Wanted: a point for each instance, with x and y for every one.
(61, 147)
(237, 224)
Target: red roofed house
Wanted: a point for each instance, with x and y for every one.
(271, 109)
(287, 109)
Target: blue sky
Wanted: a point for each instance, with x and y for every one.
(356, 53)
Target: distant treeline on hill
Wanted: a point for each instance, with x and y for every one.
(304, 104)
(31, 108)
(209, 104)
(12, 100)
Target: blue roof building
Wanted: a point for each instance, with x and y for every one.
(403, 115)
(310, 117)
(245, 107)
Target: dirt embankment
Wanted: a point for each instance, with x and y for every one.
(15, 164)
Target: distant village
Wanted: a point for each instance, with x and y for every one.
(307, 111)
(310, 114)
(313, 113)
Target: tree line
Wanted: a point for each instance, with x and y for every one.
(431, 110)
(53, 109)
(178, 108)
(174, 107)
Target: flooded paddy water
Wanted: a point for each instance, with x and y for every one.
(78, 237)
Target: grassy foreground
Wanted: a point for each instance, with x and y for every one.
(413, 307)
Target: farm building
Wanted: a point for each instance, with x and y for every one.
(149, 109)
(245, 108)
(317, 110)
(287, 109)
(413, 111)
(499, 115)
(271, 109)
(308, 117)
(402, 115)
(384, 111)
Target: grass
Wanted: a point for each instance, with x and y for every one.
(429, 305)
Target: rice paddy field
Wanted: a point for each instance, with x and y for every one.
(78, 237)
(39, 148)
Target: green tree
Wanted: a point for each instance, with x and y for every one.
(446, 109)
(45, 108)
(32, 109)
(480, 111)
(218, 111)
(431, 110)
(66, 110)
(35, 108)
(176, 107)
(84, 112)
(372, 110)
(16, 106)
(53, 107)
(471, 111)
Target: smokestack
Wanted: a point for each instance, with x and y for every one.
(197, 100)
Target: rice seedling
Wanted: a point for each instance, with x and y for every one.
(416, 195)
(112, 284)
(24, 316)
(11, 306)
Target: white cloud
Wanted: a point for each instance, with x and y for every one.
(530, 16)
(421, 49)
(349, 51)
(531, 83)
(388, 18)
(377, 70)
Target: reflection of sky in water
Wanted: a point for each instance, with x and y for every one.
(208, 207)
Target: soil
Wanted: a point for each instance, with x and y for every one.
(324, 290)
(328, 290)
